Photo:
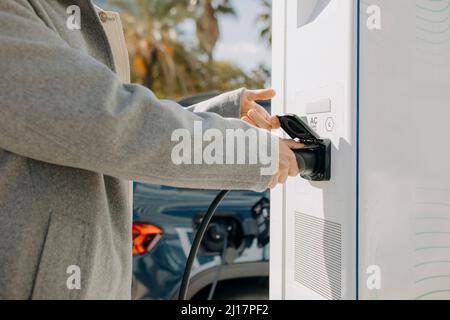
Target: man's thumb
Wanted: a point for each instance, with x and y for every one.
(294, 145)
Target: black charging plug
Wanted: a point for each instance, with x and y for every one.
(314, 161)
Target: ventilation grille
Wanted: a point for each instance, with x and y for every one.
(318, 248)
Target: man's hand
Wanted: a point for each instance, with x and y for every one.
(255, 114)
(287, 163)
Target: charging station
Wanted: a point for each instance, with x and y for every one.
(372, 77)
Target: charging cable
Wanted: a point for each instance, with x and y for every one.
(219, 268)
(197, 242)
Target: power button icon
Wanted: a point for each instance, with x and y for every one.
(329, 124)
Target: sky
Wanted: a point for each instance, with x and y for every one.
(240, 41)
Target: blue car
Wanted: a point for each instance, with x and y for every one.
(234, 251)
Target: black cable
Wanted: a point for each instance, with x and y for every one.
(212, 291)
(196, 243)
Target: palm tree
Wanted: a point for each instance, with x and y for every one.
(155, 48)
(208, 32)
(165, 60)
(265, 20)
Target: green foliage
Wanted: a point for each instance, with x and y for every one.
(175, 64)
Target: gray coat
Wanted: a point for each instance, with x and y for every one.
(71, 136)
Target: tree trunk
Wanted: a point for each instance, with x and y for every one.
(211, 71)
(148, 79)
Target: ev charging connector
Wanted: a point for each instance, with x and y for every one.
(314, 161)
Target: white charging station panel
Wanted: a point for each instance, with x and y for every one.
(314, 77)
(380, 229)
(404, 212)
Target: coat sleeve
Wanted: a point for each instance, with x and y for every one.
(226, 105)
(61, 106)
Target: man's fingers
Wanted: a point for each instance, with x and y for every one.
(274, 181)
(283, 176)
(248, 120)
(261, 110)
(275, 122)
(287, 165)
(263, 94)
(294, 170)
(294, 145)
(259, 119)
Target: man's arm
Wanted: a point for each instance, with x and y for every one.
(63, 107)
